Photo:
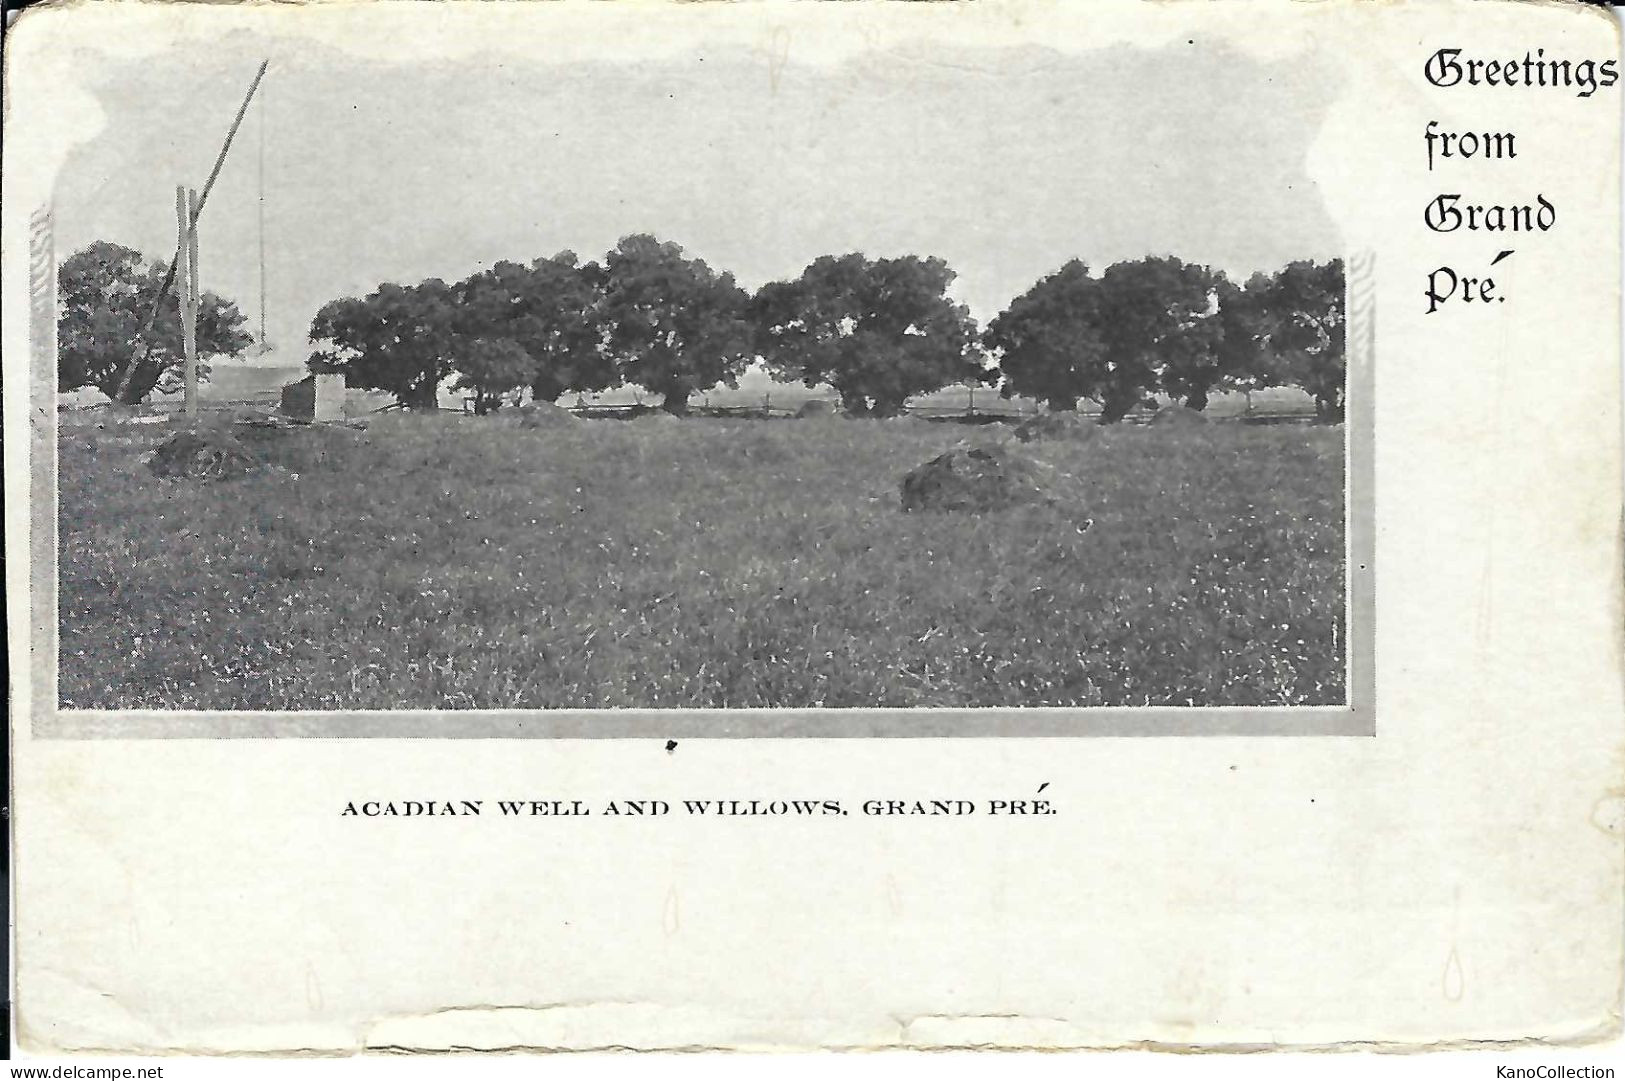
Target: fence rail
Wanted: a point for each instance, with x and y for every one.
(970, 413)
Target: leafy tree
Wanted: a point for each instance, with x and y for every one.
(549, 309)
(1145, 325)
(1049, 340)
(401, 339)
(1246, 323)
(1161, 324)
(104, 294)
(672, 324)
(493, 368)
(1308, 331)
(1156, 321)
(877, 331)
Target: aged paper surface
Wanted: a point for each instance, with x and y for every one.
(1423, 848)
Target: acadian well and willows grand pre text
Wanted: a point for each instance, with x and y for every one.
(643, 808)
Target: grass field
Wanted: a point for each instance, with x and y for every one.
(453, 562)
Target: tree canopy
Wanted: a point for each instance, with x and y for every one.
(550, 310)
(1307, 331)
(672, 324)
(1161, 325)
(399, 338)
(1159, 331)
(492, 368)
(1049, 340)
(104, 294)
(1246, 360)
(878, 331)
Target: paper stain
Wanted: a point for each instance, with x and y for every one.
(1455, 980)
(671, 916)
(778, 55)
(313, 990)
(1608, 814)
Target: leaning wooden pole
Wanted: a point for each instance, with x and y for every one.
(140, 348)
(264, 347)
(192, 202)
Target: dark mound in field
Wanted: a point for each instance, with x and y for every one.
(1178, 416)
(817, 409)
(544, 415)
(653, 415)
(983, 477)
(1068, 426)
(299, 448)
(208, 454)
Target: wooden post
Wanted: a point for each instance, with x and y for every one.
(183, 293)
(197, 276)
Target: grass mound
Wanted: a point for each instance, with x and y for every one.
(544, 415)
(817, 409)
(207, 454)
(1178, 416)
(982, 477)
(1069, 426)
(299, 448)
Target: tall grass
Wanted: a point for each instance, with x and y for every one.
(458, 562)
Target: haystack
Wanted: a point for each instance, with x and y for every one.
(1067, 426)
(1178, 416)
(544, 415)
(205, 454)
(985, 477)
(817, 409)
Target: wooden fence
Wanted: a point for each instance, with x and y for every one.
(978, 407)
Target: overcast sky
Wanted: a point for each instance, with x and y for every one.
(1004, 161)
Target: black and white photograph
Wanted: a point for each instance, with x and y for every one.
(728, 377)
(780, 526)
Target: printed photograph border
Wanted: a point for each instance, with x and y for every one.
(1355, 718)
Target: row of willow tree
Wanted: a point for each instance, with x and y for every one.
(876, 331)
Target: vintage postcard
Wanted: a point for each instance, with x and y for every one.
(809, 525)
(451, 473)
